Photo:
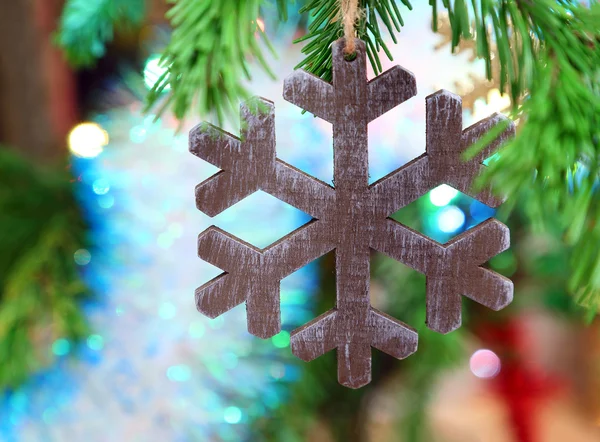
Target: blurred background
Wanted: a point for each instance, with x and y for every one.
(99, 336)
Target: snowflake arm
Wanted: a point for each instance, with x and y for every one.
(390, 89)
(442, 163)
(301, 190)
(446, 142)
(315, 338)
(241, 282)
(249, 164)
(455, 270)
(404, 244)
(299, 248)
(300, 86)
(393, 337)
(451, 269)
(329, 331)
(412, 178)
(492, 237)
(221, 149)
(252, 275)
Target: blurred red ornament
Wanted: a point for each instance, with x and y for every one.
(521, 383)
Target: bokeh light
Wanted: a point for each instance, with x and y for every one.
(442, 195)
(101, 186)
(106, 201)
(153, 71)
(496, 102)
(485, 364)
(450, 219)
(167, 310)
(138, 133)
(179, 373)
(61, 347)
(95, 342)
(281, 340)
(87, 140)
(196, 329)
(232, 415)
(82, 257)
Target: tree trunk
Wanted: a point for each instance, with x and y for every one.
(37, 91)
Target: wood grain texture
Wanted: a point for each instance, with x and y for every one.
(249, 164)
(352, 218)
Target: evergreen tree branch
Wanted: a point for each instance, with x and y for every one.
(208, 56)
(326, 27)
(282, 9)
(551, 65)
(41, 287)
(87, 26)
(522, 30)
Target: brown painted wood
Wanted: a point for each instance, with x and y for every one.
(351, 218)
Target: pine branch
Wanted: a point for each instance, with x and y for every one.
(87, 26)
(550, 59)
(475, 87)
(282, 9)
(326, 27)
(41, 288)
(521, 30)
(208, 56)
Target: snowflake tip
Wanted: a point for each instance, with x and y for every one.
(218, 296)
(392, 336)
(254, 113)
(445, 94)
(212, 144)
(313, 339)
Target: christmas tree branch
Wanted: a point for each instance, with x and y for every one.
(553, 61)
(282, 9)
(87, 26)
(207, 57)
(326, 27)
(41, 287)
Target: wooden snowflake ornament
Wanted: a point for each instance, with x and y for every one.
(351, 218)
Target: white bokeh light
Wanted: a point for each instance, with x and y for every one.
(87, 140)
(153, 71)
(450, 219)
(442, 195)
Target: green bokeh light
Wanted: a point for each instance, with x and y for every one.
(61, 347)
(82, 257)
(232, 415)
(179, 373)
(281, 340)
(95, 342)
